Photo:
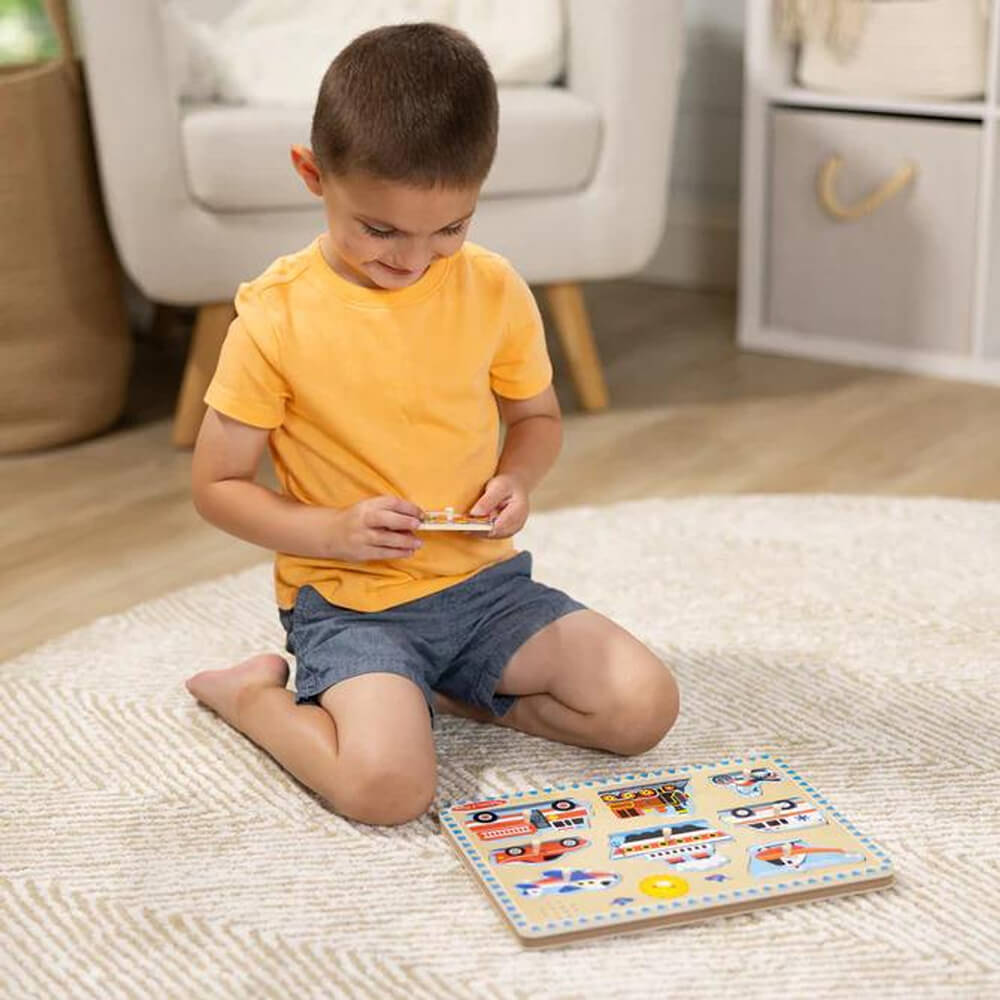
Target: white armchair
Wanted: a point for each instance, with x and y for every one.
(202, 197)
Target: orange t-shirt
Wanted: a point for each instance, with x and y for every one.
(369, 392)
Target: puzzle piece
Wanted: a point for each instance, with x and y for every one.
(448, 520)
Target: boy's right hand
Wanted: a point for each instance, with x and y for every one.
(379, 528)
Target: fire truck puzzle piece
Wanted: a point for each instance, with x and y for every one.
(497, 819)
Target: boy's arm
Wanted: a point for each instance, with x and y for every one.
(226, 457)
(531, 444)
(533, 438)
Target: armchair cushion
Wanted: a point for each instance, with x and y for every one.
(237, 155)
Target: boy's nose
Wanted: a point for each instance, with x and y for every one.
(410, 263)
(414, 256)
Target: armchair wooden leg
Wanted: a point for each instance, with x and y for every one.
(570, 313)
(203, 355)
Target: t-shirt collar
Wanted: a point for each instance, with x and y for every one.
(382, 298)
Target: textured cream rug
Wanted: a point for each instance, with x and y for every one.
(147, 850)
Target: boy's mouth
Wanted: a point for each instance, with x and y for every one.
(402, 272)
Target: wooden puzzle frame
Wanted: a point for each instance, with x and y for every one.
(662, 847)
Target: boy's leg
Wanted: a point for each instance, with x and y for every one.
(585, 680)
(367, 748)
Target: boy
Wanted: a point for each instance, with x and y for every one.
(377, 364)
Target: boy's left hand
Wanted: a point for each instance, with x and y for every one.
(504, 498)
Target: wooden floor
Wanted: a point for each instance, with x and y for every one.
(90, 529)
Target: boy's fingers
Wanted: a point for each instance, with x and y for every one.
(397, 522)
(506, 519)
(402, 506)
(500, 526)
(489, 501)
(395, 540)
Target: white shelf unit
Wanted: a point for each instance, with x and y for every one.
(769, 86)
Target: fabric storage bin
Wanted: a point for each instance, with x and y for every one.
(65, 345)
(872, 228)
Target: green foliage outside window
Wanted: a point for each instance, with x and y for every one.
(25, 35)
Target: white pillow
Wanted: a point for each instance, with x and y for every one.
(276, 51)
(521, 39)
(190, 48)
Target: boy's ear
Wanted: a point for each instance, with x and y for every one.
(304, 162)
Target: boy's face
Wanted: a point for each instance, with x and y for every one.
(385, 234)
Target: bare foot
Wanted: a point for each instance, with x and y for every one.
(451, 706)
(222, 690)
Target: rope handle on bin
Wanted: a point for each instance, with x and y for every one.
(826, 183)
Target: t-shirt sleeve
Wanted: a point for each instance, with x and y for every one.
(521, 367)
(248, 384)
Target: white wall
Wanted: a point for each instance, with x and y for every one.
(700, 245)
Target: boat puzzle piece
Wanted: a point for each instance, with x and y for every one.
(688, 846)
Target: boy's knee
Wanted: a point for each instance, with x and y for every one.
(384, 788)
(642, 709)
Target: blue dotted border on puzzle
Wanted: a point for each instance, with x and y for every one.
(652, 909)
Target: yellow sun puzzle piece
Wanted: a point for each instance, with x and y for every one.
(664, 886)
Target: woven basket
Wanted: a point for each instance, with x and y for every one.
(65, 349)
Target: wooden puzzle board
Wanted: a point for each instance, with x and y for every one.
(660, 847)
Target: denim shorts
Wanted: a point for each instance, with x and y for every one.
(456, 641)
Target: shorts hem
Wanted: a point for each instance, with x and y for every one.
(501, 704)
(309, 693)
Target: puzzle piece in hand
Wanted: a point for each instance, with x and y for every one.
(448, 520)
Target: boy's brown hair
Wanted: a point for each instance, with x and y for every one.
(408, 102)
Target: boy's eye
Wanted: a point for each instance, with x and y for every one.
(384, 234)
